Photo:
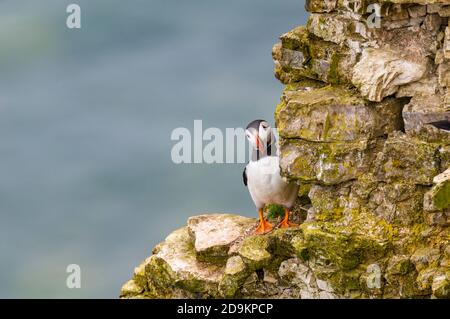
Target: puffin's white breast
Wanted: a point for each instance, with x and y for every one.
(265, 184)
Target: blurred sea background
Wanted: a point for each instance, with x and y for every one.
(85, 123)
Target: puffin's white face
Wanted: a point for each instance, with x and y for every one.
(259, 137)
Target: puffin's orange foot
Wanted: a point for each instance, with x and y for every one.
(286, 224)
(263, 227)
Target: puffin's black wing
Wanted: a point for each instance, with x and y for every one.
(244, 176)
(443, 125)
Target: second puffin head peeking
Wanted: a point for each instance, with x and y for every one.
(259, 134)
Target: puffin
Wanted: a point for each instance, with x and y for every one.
(442, 125)
(262, 176)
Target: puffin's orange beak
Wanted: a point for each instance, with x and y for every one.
(259, 144)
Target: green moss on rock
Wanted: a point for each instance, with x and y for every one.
(438, 197)
(254, 251)
(408, 159)
(236, 272)
(131, 289)
(327, 163)
(344, 250)
(441, 285)
(399, 265)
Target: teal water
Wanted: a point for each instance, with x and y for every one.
(85, 123)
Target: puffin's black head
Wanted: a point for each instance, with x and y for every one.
(259, 134)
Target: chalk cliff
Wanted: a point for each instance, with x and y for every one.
(375, 177)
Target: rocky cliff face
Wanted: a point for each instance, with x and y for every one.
(352, 123)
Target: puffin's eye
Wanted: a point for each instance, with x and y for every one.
(264, 125)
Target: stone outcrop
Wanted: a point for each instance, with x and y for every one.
(353, 129)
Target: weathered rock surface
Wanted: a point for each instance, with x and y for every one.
(315, 260)
(380, 73)
(331, 114)
(407, 159)
(354, 133)
(327, 163)
(175, 264)
(438, 197)
(215, 234)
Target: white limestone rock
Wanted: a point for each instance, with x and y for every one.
(380, 72)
